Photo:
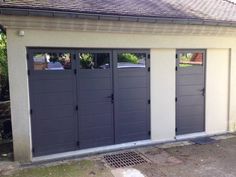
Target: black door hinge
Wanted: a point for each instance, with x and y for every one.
(176, 68)
(149, 69)
(31, 111)
(149, 133)
(28, 72)
(149, 56)
(78, 143)
(176, 129)
(74, 56)
(75, 71)
(112, 98)
(176, 99)
(176, 56)
(149, 101)
(76, 107)
(33, 150)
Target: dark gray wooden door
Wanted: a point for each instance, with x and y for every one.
(132, 94)
(87, 98)
(52, 84)
(95, 99)
(190, 91)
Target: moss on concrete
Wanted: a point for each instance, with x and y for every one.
(83, 168)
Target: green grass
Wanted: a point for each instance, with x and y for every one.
(76, 169)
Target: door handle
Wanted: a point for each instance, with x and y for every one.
(111, 97)
(203, 91)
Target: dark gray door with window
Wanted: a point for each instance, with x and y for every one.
(52, 86)
(87, 98)
(190, 91)
(132, 95)
(95, 98)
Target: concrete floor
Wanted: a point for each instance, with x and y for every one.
(170, 160)
(212, 160)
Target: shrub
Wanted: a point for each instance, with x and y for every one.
(4, 83)
(86, 60)
(128, 57)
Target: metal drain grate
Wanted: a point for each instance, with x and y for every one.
(124, 159)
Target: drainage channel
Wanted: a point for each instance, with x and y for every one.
(125, 159)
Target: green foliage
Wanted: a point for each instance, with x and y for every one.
(3, 56)
(186, 57)
(4, 85)
(86, 60)
(128, 57)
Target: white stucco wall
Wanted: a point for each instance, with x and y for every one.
(217, 90)
(232, 101)
(19, 96)
(163, 94)
(162, 76)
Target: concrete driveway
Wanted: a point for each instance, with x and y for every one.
(182, 159)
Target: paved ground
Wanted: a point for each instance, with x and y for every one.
(169, 160)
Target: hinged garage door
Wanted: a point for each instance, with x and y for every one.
(190, 91)
(53, 101)
(88, 98)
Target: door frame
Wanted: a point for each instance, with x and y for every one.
(178, 51)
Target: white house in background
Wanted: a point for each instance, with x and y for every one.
(94, 76)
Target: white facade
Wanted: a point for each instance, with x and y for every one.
(162, 40)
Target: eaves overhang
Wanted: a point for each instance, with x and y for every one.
(113, 17)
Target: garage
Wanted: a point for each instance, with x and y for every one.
(86, 98)
(88, 77)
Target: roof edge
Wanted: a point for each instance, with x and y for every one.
(113, 17)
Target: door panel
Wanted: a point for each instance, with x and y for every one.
(131, 88)
(190, 88)
(52, 89)
(95, 91)
(190, 79)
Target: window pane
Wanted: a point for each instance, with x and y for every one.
(52, 61)
(94, 60)
(190, 59)
(131, 60)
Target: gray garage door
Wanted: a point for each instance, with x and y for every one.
(52, 96)
(87, 98)
(95, 97)
(132, 94)
(190, 91)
